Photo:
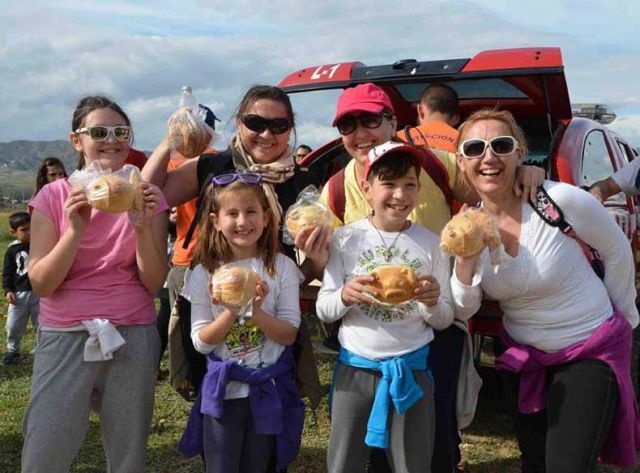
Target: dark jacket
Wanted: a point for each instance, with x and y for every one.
(14, 271)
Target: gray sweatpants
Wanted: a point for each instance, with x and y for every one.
(411, 435)
(27, 307)
(56, 420)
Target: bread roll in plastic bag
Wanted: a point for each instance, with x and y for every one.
(469, 232)
(307, 212)
(189, 135)
(113, 192)
(234, 286)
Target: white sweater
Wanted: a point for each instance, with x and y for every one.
(549, 293)
(373, 331)
(246, 343)
(628, 178)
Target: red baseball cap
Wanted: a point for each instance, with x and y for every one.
(362, 98)
(375, 154)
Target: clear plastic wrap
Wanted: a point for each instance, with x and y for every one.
(306, 212)
(234, 285)
(189, 135)
(113, 192)
(469, 232)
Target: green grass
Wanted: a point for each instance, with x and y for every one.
(488, 445)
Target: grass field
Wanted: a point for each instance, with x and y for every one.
(488, 445)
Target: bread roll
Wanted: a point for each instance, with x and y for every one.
(189, 137)
(234, 286)
(111, 193)
(469, 232)
(394, 283)
(307, 215)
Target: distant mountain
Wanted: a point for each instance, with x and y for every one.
(20, 160)
(26, 155)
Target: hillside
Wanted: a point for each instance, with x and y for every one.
(19, 161)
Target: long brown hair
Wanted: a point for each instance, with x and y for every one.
(213, 249)
(43, 170)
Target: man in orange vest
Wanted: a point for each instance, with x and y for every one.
(437, 116)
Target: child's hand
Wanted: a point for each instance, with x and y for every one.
(314, 242)
(262, 289)
(11, 298)
(428, 290)
(235, 311)
(77, 210)
(356, 292)
(151, 200)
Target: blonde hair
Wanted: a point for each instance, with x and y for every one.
(213, 249)
(503, 116)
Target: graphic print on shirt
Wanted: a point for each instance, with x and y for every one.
(244, 339)
(379, 255)
(22, 261)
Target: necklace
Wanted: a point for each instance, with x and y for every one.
(386, 252)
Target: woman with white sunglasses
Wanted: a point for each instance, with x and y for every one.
(567, 333)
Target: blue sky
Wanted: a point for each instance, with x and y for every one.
(141, 53)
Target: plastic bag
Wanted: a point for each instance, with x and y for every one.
(306, 212)
(469, 232)
(189, 135)
(234, 285)
(113, 192)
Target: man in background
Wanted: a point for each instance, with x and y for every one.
(437, 117)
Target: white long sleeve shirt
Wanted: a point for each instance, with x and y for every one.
(246, 342)
(370, 330)
(628, 178)
(550, 295)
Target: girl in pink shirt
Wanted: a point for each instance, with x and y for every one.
(96, 273)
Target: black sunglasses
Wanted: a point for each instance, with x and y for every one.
(348, 123)
(276, 126)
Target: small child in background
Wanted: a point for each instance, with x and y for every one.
(23, 303)
(248, 413)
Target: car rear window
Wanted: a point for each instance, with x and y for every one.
(467, 89)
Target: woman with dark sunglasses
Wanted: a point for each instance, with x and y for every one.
(261, 145)
(265, 122)
(567, 332)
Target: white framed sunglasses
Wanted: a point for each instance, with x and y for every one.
(101, 133)
(475, 147)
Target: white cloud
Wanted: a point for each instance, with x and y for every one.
(141, 53)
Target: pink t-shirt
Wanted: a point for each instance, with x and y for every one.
(103, 280)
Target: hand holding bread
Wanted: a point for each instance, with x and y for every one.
(468, 232)
(393, 284)
(309, 215)
(112, 193)
(234, 286)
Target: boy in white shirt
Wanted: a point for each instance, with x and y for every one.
(385, 348)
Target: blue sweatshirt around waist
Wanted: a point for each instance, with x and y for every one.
(397, 384)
